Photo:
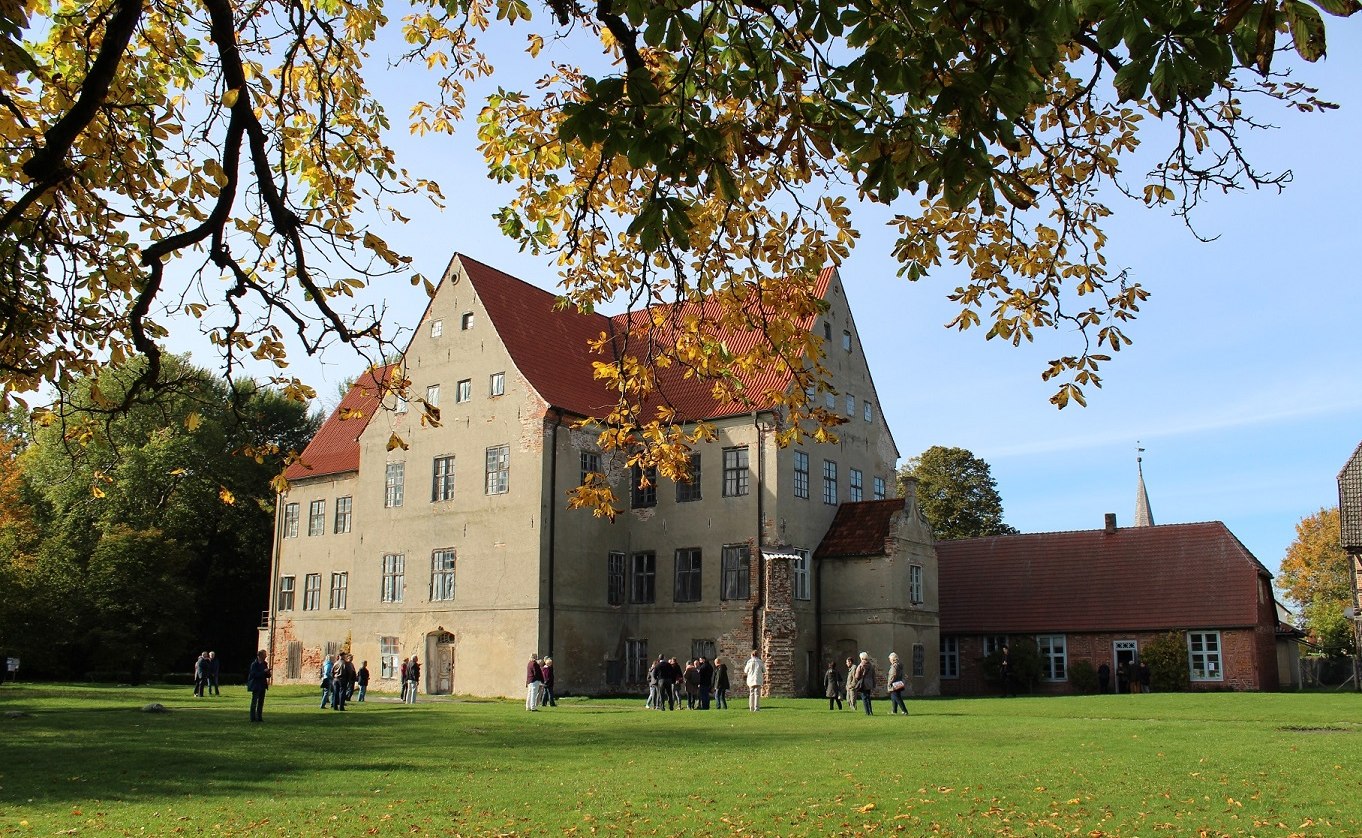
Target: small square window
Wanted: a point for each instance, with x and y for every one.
(466, 322)
(437, 328)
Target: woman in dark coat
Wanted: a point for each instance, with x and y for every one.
(257, 681)
(832, 687)
(721, 684)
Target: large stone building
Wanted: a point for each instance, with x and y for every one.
(459, 547)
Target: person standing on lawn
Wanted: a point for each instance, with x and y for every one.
(257, 681)
(865, 682)
(362, 677)
(755, 671)
(705, 671)
(534, 682)
(850, 688)
(328, 680)
(832, 686)
(721, 684)
(413, 679)
(896, 685)
(546, 698)
(214, 667)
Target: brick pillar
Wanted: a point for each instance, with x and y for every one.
(779, 630)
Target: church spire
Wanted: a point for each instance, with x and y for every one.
(1143, 517)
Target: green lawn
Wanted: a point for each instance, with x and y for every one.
(85, 761)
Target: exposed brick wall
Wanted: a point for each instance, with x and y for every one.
(779, 631)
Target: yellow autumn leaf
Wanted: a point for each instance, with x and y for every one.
(226, 496)
(395, 442)
(193, 421)
(178, 472)
(229, 98)
(96, 491)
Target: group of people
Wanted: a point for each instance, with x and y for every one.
(539, 683)
(700, 681)
(859, 683)
(206, 674)
(410, 676)
(340, 678)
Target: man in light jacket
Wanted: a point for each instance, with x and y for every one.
(755, 671)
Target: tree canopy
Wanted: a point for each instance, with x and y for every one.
(165, 162)
(1314, 577)
(957, 493)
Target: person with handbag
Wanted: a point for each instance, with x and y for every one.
(865, 682)
(896, 685)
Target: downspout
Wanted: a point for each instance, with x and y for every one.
(760, 604)
(553, 517)
(274, 572)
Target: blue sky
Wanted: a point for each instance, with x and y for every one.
(1244, 384)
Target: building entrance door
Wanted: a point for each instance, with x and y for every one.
(440, 659)
(1124, 653)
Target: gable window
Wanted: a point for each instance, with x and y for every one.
(799, 576)
(340, 590)
(614, 579)
(591, 464)
(636, 661)
(687, 491)
(437, 328)
(498, 470)
(316, 517)
(343, 507)
(387, 657)
(1203, 656)
(919, 660)
(801, 474)
(312, 592)
(950, 657)
(827, 331)
(433, 395)
(496, 384)
(401, 404)
(869, 413)
(851, 405)
(735, 472)
(915, 584)
(1053, 657)
(463, 391)
(857, 490)
(643, 491)
(846, 340)
(291, 520)
(830, 399)
(643, 578)
(394, 573)
(442, 575)
(466, 321)
(737, 572)
(829, 481)
(687, 575)
(879, 488)
(393, 479)
(287, 584)
(442, 479)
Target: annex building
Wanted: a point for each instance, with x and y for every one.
(459, 548)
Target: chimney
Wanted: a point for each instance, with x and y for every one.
(1111, 523)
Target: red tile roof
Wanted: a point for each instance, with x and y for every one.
(859, 529)
(335, 448)
(1173, 576)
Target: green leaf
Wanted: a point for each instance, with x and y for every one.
(1307, 29)
(1339, 8)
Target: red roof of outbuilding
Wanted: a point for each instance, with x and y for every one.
(335, 448)
(1173, 576)
(859, 529)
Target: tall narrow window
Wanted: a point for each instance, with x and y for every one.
(343, 507)
(433, 395)
(737, 572)
(340, 590)
(950, 657)
(400, 403)
(442, 575)
(463, 391)
(869, 413)
(851, 405)
(393, 479)
(687, 491)
(591, 464)
(614, 579)
(919, 660)
(829, 481)
(287, 584)
(466, 321)
(827, 331)
(316, 517)
(857, 489)
(1053, 659)
(636, 661)
(387, 658)
(643, 578)
(879, 488)
(736, 473)
(643, 491)
(496, 384)
(830, 400)
(801, 474)
(312, 592)
(799, 575)
(1203, 656)
(291, 520)
(442, 479)
(394, 573)
(846, 340)
(687, 575)
(498, 470)
(915, 584)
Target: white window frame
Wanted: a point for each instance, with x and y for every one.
(950, 657)
(496, 384)
(1205, 661)
(992, 643)
(801, 587)
(345, 506)
(498, 470)
(291, 520)
(915, 584)
(433, 395)
(442, 479)
(846, 340)
(288, 585)
(394, 484)
(443, 563)
(437, 328)
(1054, 657)
(312, 592)
(340, 590)
(591, 464)
(851, 405)
(463, 391)
(869, 413)
(316, 518)
(394, 577)
(388, 648)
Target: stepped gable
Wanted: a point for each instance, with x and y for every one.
(335, 447)
(860, 529)
(1172, 576)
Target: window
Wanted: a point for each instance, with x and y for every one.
(614, 579)
(829, 481)
(993, 643)
(830, 399)
(643, 488)
(312, 592)
(737, 572)
(591, 464)
(286, 588)
(703, 649)
(846, 340)
(735, 472)
(857, 490)
(442, 575)
(1053, 660)
(442, 479)
(291, 520)
(463, 391)
(851, 405)
(498, 470)
(868, 413)
(401, 403)
(340, 590)
(799, 575)
(316, 517)
(343, 506)
(643, 578)
(687, 575)
(879, 488)
(394, 570)
(827, 331)
(393, 480)
(387, 658)
(919, 660)
(950, 657)
(636, 661)
(433, 395)
(496, 384)
(1203, 655)
(437, 328)
(466, 322)
(689, 491)
(801, 474)
(915, 584)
